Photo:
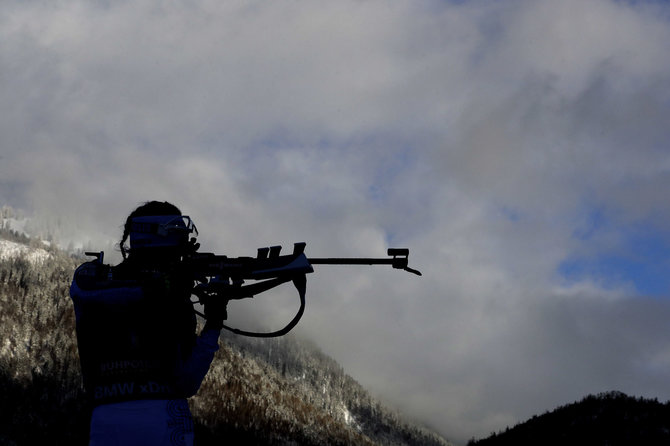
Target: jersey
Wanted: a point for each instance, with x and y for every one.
(136, 335)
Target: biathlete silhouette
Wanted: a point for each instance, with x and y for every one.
(136, 333)
(141, 357)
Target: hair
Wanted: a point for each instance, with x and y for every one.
(146, 210)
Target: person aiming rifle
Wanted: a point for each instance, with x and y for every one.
(136, 323)
(136, 333)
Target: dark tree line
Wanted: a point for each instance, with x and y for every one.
(606, 419)
(39, 376)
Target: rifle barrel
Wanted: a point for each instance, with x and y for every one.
(396, 262)
(350, 261)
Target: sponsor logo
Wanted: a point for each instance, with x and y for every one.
(131, 388)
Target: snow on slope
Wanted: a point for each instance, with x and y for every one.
(9, 250)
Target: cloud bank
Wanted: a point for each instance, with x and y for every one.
(520, 149)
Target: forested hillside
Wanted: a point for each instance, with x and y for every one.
(262, 392)
(606, 419)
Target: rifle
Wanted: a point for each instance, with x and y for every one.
(222, 277)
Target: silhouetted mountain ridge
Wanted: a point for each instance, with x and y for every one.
(610, 418)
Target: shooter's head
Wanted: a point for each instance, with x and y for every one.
(157, 230)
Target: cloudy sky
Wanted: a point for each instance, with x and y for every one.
(518, 148)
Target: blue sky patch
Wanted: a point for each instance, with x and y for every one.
(642, 259)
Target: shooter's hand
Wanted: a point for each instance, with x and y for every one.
(215, 313)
